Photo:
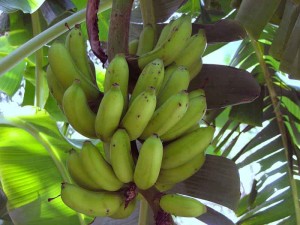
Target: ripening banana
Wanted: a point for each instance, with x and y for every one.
(77, 46)
(77, 173)
(76, 108)
(139, 113)
(124, 212)
(148, 163)
(98, 169)
(167, 115)
(120, 156)
(172, 45)
(91, 203)
(194, 113)
(195, 68)
(179, 80)
(109, 113)
(66, 71)
(132, 46)
(179, 205)
(193, 50)
(185, 148)
(152, 75)
(118, 72)
(168, 72)
(182, 172)
(55, 87)
(146, 40)
(164, 34)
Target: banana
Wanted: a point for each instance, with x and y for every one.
(98, 169)
(193, 50)
(77, 173)
(152, 75)
(195, 112)
(124, 212)
(90, 203)
(55, 87)
(77, 110)
(180, 32)
(146, 40)
(168, 72)
(118, 72)
(76, 44)
(109, 113)
(179, 80)
(106, 148)
(182, 172)
(197, 93)
(179, 205)
(66, 71)
(195, 68)
(167, 115)
(139, 113)
(164, 34)
(163, 186)
(132, 46)
(148, 163)
(121, 157)
(187, 147)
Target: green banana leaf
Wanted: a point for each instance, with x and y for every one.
(26, 6)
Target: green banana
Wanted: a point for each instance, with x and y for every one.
(163, 186)
(179, 80)
(195, 68)
(77, 46)
(168, 72)
(179, 205)
(182, 172)
(77, 110)
(172, 46)
(124, 212)
(164, 34)
(148, 163)
(118, 72)
(152, 75)
(98, 169)
(194, 113)
(197, 93)
(132, 46)
(193, 50)
(55, 87)
(109, 113)
(167, 115)
(66, 71)
(90, 203)
(121, 157)
(146, 40)
(77, 173)
(139, 113)
(187, 147)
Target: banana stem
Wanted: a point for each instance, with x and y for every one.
(39, 79)
(44, 37)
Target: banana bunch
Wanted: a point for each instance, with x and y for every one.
(159, 113)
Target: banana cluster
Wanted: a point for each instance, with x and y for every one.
(159, 114)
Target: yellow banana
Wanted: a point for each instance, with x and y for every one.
(148, 163)
(182, 172)
(167, 115)
(193, 50)
(118, 72)
(172, 46)
(66, 71)
(139, 113)
(55, 87)
(195, 68)
(109, 113)
(187, 147)
(121, 157)
(91, 203)
(152, 75)
(98, 169)
(124, 212)
(179, 80)
(77, 46)
(77, 173)
(77, 110)
(146, 40)
(132, 46)
(179, 205)
(194, 113)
